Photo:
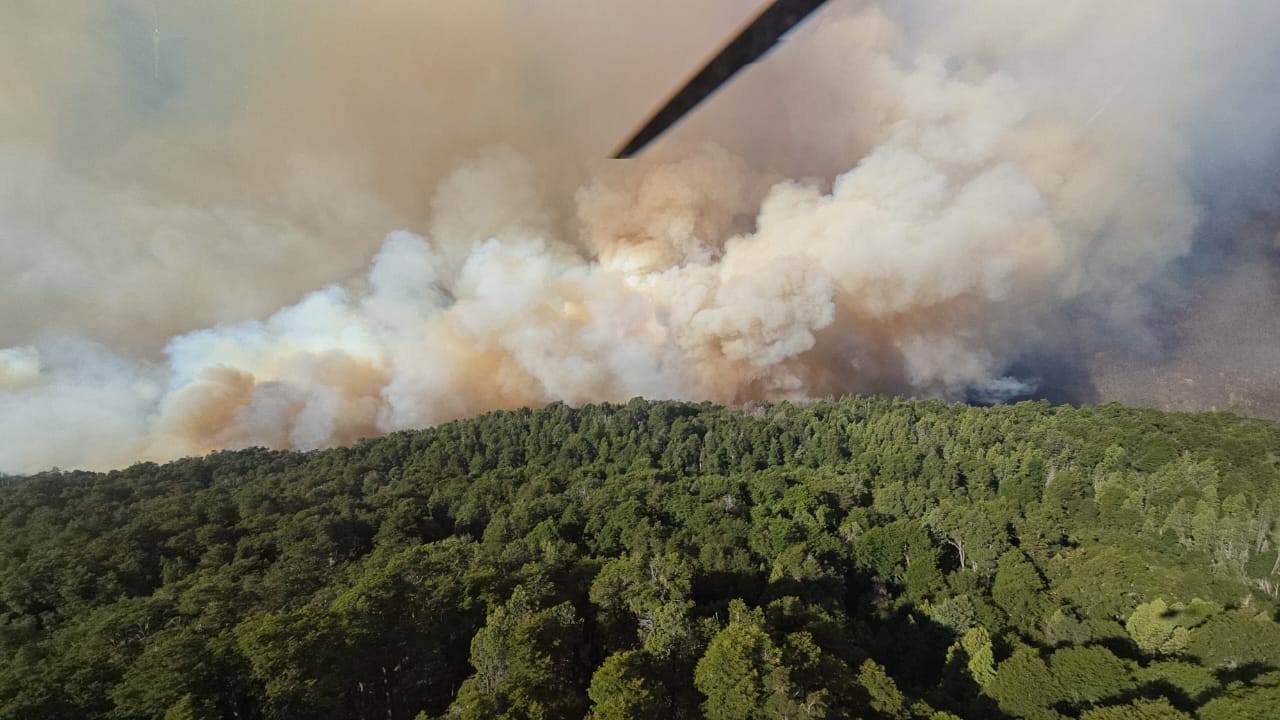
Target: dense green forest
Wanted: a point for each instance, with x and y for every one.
(859, 558)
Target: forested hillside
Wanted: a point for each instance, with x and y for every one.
(860, 558)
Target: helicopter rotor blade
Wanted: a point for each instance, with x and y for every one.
(755, 40)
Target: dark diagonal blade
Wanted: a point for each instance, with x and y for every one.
(749, 46)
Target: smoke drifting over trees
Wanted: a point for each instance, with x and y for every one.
(922, 197)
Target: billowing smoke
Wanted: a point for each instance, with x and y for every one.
(924, 197)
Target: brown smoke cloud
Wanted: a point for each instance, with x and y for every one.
(907, 197)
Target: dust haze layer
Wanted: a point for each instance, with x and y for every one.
(296, 224)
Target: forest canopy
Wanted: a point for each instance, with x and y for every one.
(854, 558)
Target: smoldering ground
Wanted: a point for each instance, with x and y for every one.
(294, 224)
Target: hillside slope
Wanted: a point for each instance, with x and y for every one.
(855, 558)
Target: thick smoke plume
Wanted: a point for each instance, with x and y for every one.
(926, 197)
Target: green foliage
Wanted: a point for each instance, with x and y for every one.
(1185, 682)
(1235, 639)
(903, 552)
(980, 656)
(885, 697)
(854, 558)
(524, 659)
(1024, 686)
(742, 671)
(1064, 627)
(1089, 674)
(1258, 698)
(956, 613)
(1159, 709)
(180, 669)
(977, 532)
(189, 708)
(623, 688)
(1020, 591)
(1160, 629)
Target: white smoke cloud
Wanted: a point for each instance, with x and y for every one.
(19, 366)
(74, 404)
(907, 198)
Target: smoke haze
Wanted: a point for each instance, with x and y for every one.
(296, 224)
